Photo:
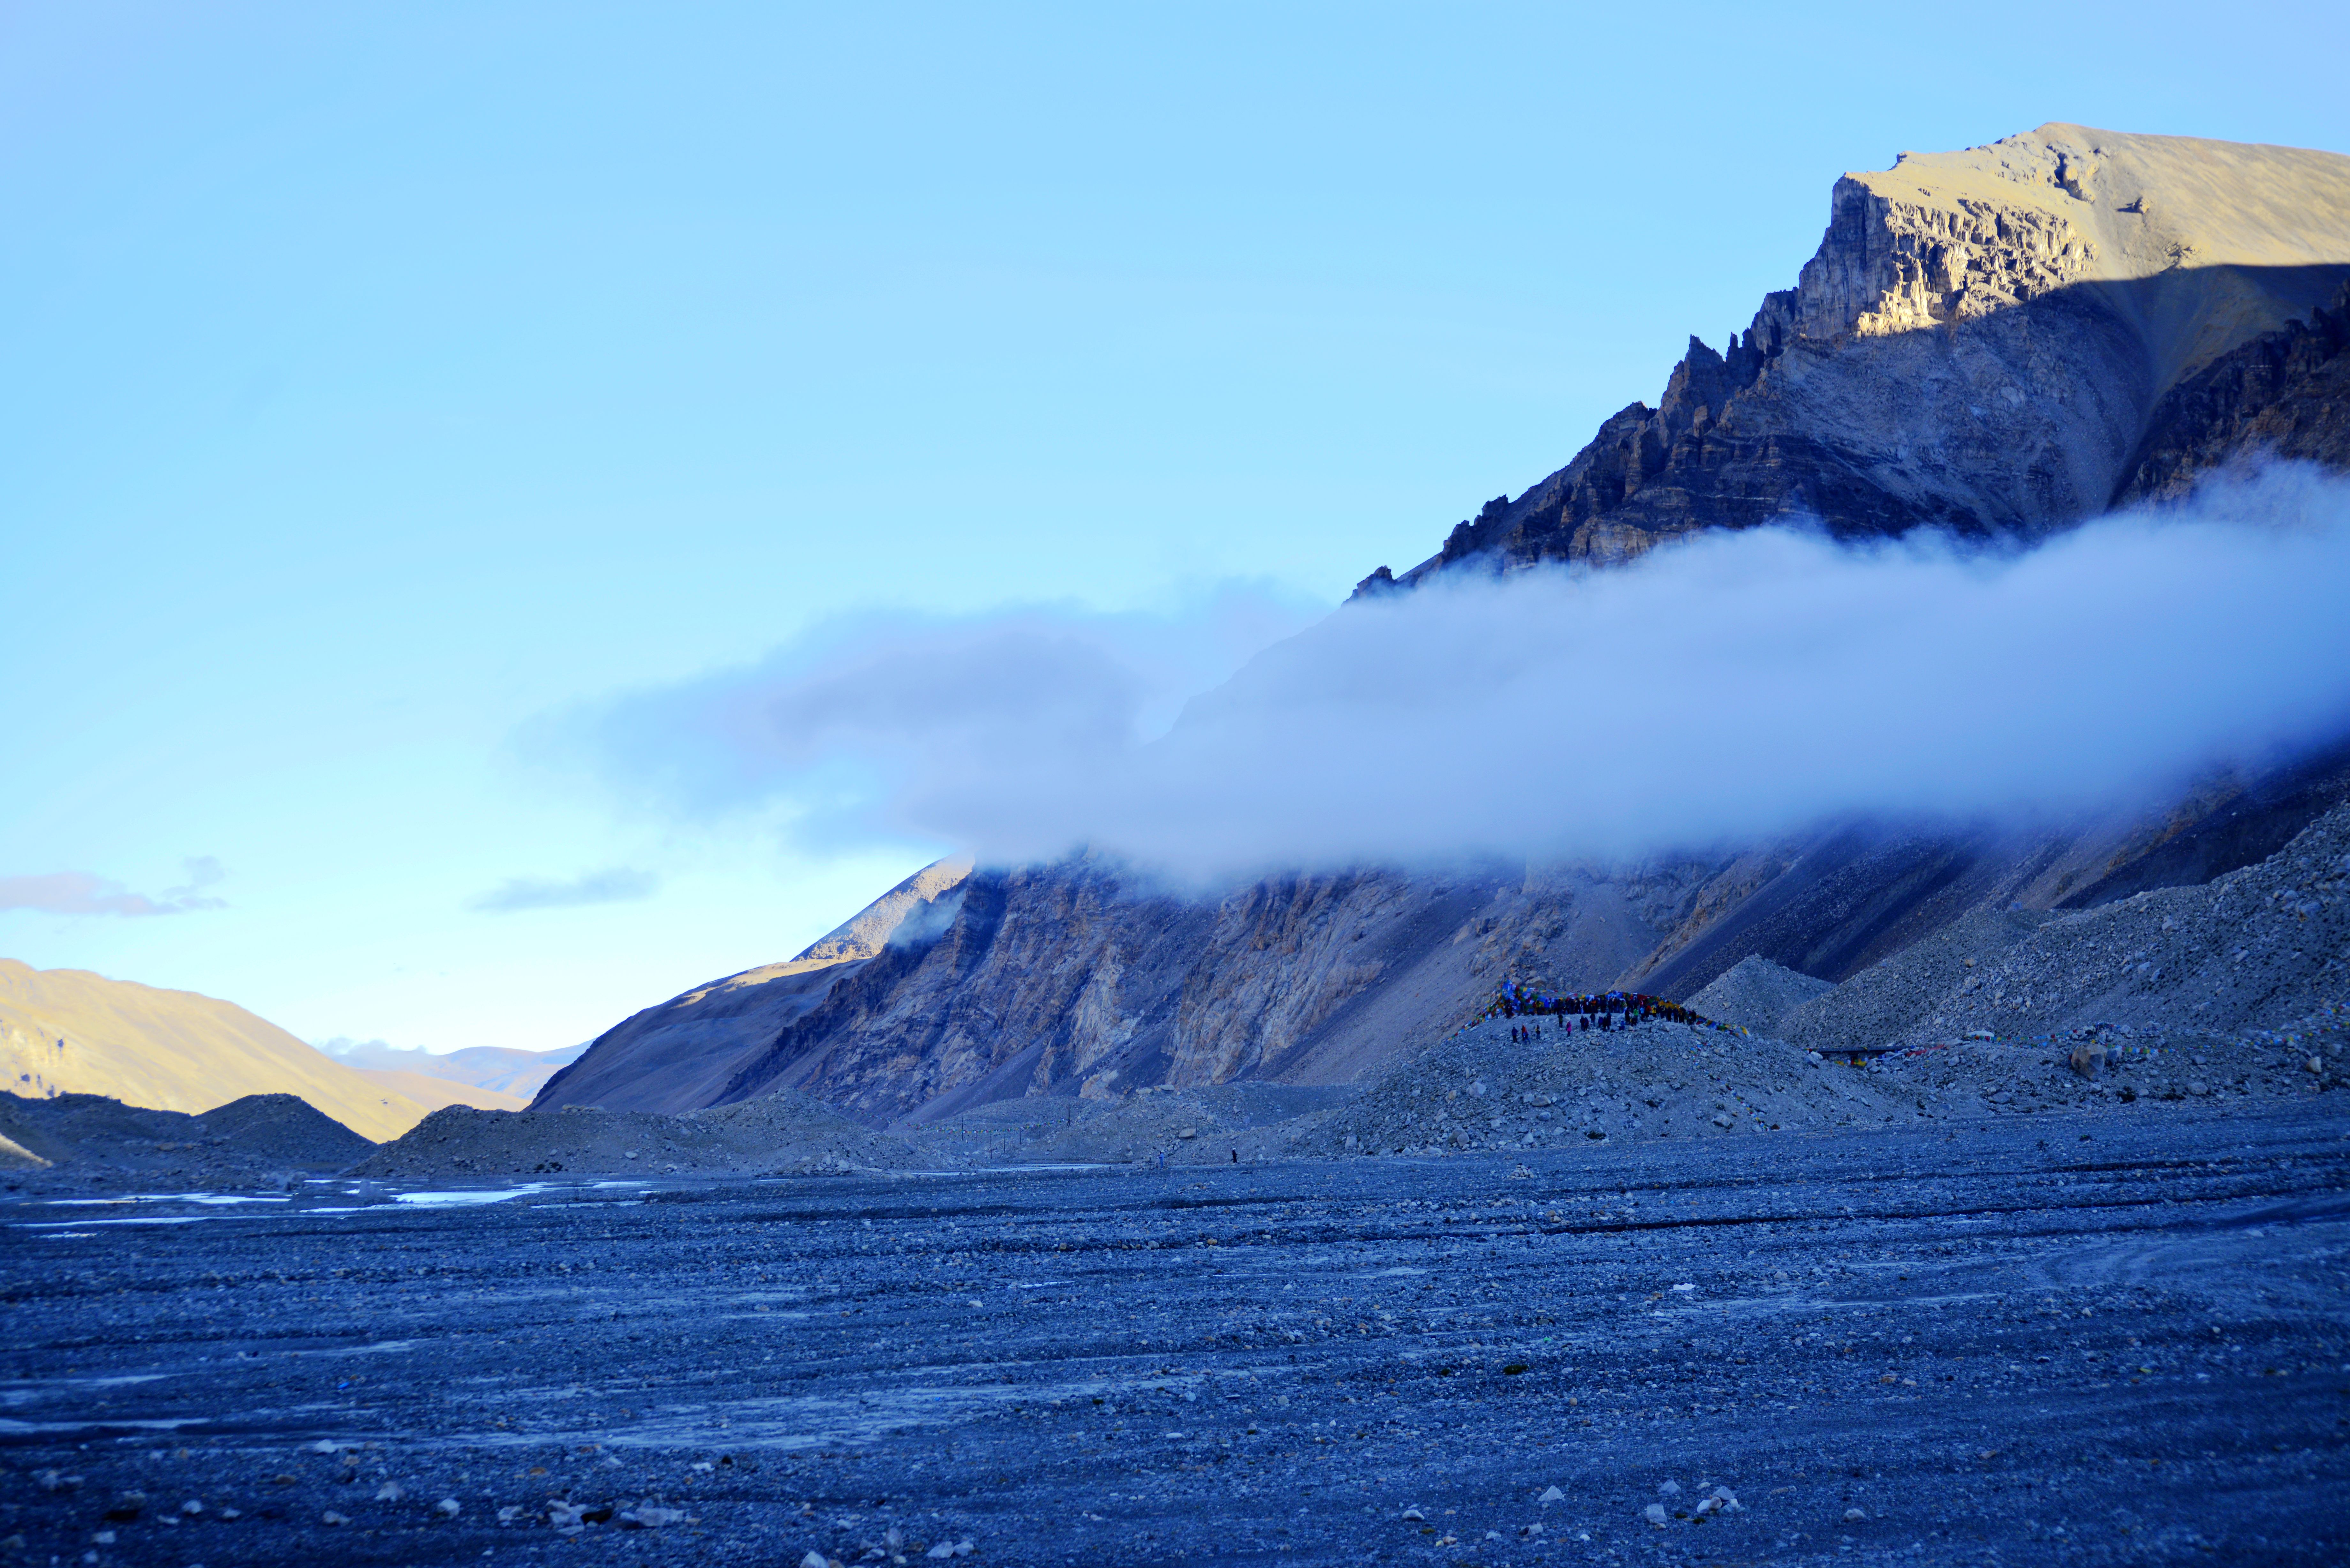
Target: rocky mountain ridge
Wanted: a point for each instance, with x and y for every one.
(2003, 341)
(1985, 342)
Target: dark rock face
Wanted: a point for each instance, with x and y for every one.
(2285, 394)
(1788, 428)
(677, 1056)
(1068, 978)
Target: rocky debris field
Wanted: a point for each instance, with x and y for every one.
(1480, 1090)
(1754, 995)
(2049, 1339)
(2232, 989)
(1222, 1123)
(1483, 1091)
(76, 1142)
(2264, 948)
(782, 1133)
(1882, 1002)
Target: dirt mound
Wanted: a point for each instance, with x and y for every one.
(779, 1134)
(2120, 1068)
(2234, 965)
(1002, 1130)
(1886, 1000)
(285, 1129)
(1481, 1090)
(93, 1141)
(786, 1125)
(1754, 995)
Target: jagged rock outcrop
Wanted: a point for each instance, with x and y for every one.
(2002, 340)
(1987, 341)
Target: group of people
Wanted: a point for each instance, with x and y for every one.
(1614, 1009)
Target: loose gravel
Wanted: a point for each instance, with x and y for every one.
(88, 1142)
(784, 1132)
(2061, 1339)
(1754, 995)
(2263, 949)
(1482, 1090)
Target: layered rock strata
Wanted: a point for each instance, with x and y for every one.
(1986, 341)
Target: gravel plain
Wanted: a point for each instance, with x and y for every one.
(2062, 1338)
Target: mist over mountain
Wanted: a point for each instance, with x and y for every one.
(1842, 640)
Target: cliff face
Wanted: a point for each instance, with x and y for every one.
(1986, 341)
(2284, 394)
(2002, 340)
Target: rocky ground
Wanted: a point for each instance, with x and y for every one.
(781, 1133)
(1224, 1123)
(1754, 995)
(1481, 1090)
(2054, 1338)
(2264, 948)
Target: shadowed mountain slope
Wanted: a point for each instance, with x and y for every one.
(682, 1053)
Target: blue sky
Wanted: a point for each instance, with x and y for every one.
(389, 387)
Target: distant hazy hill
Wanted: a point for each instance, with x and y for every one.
(433, 1093)
(66, 1031)
(488, 1077)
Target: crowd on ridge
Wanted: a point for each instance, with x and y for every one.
(1606, 1010)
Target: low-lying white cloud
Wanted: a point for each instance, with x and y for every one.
(1722, 690)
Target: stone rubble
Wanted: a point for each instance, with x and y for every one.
(780, 1133)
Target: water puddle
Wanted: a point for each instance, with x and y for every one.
(140, 1219)
(817, 1421)
(204, 1198)
(9, 1428)
(463, 1197)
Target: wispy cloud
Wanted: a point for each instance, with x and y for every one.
(85, 893)
(202, 871)
(1729, 688)
(862, 706)
(617, 885)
